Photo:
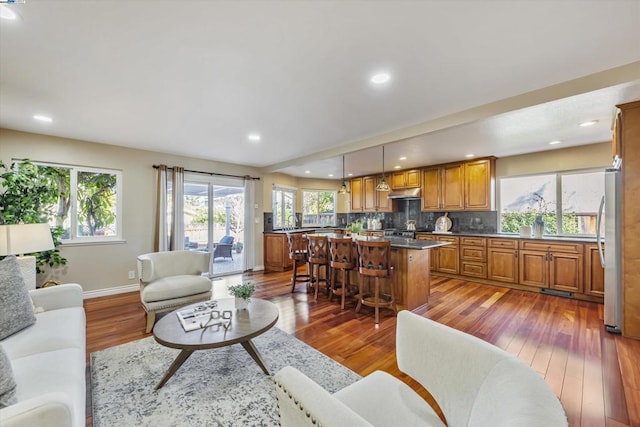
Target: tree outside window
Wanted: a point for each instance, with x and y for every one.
(318, 208)
(568, 202)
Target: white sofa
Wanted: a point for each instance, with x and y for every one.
(474, 383)
(48, 360)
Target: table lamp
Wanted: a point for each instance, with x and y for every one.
(20, 239)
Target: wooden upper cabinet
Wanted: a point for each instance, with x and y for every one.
(479, 180)
(452, 187)
(431, 189)
(369, 193)
(405, 179)
(355, 190)
(384, 203)
(617, 130)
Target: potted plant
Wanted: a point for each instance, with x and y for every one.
(242, 293)
(237, 246)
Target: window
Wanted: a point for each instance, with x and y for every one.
(87, 202)
(568, 201)
(284, 203)
(318, 208)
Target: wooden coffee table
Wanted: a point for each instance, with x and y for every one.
(258, 318)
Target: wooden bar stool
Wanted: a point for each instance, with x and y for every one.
(344, 257)
(318, 253)
(298, 253)
(374, 261)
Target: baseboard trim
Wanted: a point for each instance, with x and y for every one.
(110, 291)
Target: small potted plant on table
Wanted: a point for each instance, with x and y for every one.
(242, 293)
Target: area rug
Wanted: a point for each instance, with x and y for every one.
(219, 387)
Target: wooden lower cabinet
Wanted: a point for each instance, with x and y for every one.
(551, 265)
(444, 259)
(473, 257)
(593, 272)
(276, 252)
(502, 260)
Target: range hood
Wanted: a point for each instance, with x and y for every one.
(407, 193)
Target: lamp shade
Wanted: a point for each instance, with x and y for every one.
(18, 239)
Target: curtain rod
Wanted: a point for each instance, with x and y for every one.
(215, 173)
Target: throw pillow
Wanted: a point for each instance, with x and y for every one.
(16, 308)
(7, 382)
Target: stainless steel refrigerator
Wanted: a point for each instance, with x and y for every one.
(611, 253)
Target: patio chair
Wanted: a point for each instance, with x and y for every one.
(222, 249)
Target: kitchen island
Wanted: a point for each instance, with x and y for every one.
(410, 259)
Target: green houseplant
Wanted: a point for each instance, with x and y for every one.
(242, 293)
(237, 246)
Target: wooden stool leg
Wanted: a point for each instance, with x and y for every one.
(316, 269)
(345, 279)
(360, 293)
(295, 275)
(376, 299)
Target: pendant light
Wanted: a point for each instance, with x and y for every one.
(383, 186)
(343, 187)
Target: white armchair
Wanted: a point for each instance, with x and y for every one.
(169, 280)
(474, 382)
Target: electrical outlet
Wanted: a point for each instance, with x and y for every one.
(132, 274)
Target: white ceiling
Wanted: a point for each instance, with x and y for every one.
(194, 78)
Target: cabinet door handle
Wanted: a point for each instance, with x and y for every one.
(515, 254)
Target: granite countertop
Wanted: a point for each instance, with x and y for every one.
(302, 230)
(513, 236)
(396, 242)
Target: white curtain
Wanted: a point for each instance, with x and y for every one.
(161, 238)
(177, 210)
(249, 221)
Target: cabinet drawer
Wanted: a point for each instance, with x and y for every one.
(533, 245)
(453, 240)
(473, 253)
(503, 243)
(473, 241)
(474, 269)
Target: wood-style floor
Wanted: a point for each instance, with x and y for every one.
(595, 374)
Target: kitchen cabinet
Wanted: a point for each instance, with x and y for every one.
(276, 252)
(459, 186)
(405, 179)
(355, 192)
(556, 266)
(365, 197)
(444, 259)
(628, 146)
(473, 257)
(593, 271)
(479, 181)
(442, 188)
(502, 260)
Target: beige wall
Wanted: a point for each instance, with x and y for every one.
(582, 157)
(101, 266)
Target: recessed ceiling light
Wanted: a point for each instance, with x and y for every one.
(380, 78)
(589, 123)
(397, 167)
(307, 171)
(470, 155)
(555, 142)
(330, 174)
(254, 137)
(403, 158)
(6, 13)
(349, 174)
(43, 118)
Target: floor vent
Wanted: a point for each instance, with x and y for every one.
(557, 293)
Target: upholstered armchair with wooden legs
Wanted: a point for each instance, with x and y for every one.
(474, 383)
(169, 280)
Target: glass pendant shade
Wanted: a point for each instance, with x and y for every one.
(382, 185)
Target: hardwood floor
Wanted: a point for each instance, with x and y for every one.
(595, 374)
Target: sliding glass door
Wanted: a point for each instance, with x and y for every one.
(214, 220)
